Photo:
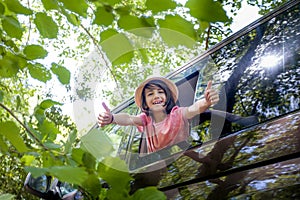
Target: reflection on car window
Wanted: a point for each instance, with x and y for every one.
(258, 77)
(257, 74)
(121, 135)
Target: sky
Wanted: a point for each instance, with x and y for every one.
(245, 16)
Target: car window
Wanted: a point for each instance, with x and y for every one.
(257, 75)
(121, 136)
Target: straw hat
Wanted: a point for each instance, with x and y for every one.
(138, 92)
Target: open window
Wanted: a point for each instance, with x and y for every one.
(257, 74)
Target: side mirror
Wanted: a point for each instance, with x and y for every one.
(49, 188)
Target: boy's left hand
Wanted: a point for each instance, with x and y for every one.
(211, 95)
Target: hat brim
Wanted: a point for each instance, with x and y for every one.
(138, 92)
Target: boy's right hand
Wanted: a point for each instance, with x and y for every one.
(105, 117)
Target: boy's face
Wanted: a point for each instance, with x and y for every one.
(155, 98)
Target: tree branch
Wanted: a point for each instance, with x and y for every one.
(207, 38)
(29, 28)
(24, 126)
(103, 57)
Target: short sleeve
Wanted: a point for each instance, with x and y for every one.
(179, 112)
(143, 117)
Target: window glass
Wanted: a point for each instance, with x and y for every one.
(258, 77)
(121, 135)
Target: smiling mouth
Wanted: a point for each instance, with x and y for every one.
(158, 103)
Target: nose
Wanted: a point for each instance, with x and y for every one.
(156, 95)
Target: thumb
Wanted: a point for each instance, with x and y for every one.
(209, 85)
(105, 107)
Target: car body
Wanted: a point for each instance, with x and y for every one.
(257, 71)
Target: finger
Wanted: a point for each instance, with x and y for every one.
(214, 98)
(101, 115)
(100, 118)
(209, 85)
(102, 123)
(208, 90)
(105, 107)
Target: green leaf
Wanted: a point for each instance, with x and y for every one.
(33, 52)
(46, 26)
(12, 27)
(36, 172)
(92, 185)
(51, 145)
(27, 159)
(48, 159)
(78, 6)
(69, 174)
(105, 35)
(11, 132)
(48, 103)
(103, 17)
(39, 110)
(77, 155)
(70, 141)
(89, 160)
(112, 2)
(7, 196)
(3, 145)
(115, 172)
(50, 4)
(143, 55)
(124, 58)
(62, 73)
(8, 66)
(39, 72)
(116, 46)
(17, 7)
(148, 193)
(48, 130)
(203, 25)
(73, 19)
(138, 25)
(1, 95)
(36, 133)
(124, 10)
(177, 31)
(160, 5)
(2, 9)
(18, 102)
(207, 10)
(97, 143)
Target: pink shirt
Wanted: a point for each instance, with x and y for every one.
(173, 129)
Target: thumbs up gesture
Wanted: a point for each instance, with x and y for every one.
(210, 94)
(105, 117)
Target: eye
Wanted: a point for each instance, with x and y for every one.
(149, 94)
(161, 91)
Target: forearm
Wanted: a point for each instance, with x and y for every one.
(198, 107)
(124, 119)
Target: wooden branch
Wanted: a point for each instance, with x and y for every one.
(24, 126)
(103, 57)
(207, 38)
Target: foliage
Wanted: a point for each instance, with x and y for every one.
(35, 136)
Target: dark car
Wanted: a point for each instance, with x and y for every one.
(254, 156)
